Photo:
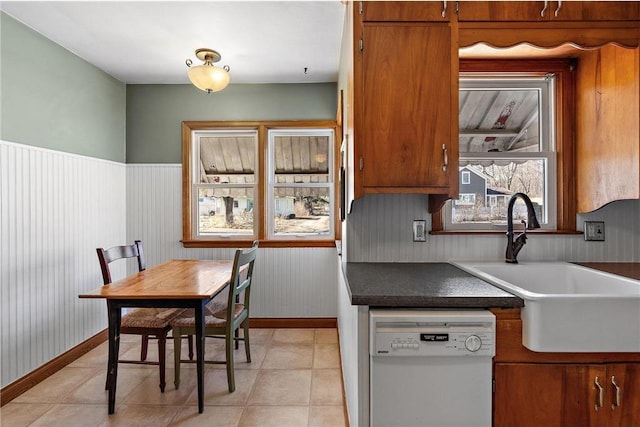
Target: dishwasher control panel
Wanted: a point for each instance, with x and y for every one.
(432, 333)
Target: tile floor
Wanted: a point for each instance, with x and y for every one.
(293, 380)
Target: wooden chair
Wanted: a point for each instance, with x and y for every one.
(147, 322)
(222, 320)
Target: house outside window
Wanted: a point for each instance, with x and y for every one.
(258, 180)
(506, 146)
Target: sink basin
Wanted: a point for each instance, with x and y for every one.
(567, 307)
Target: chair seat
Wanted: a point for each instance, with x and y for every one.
(215, 316)
(150, 317)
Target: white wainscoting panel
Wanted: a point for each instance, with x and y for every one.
(380, 230)
(56, 208)
(289, 282)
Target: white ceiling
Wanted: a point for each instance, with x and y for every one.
(148, 42)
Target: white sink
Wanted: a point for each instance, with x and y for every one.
(569, 308)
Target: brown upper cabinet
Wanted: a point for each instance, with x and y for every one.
(398, 11)
(557, 10)
(607, 126)
(405, 97)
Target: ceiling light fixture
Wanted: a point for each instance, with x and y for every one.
(207, 76)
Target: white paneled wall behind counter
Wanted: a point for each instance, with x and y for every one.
(55, 209)
(289, 282)
(380, 230)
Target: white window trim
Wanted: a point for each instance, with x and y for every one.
(271, 184)
(466, 177)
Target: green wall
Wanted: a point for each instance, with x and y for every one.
(53, 99)
(155, 112)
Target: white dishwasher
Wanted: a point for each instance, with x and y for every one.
(431, 367)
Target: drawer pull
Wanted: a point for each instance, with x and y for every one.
(599, 395)
(616, 388)
(446, 158)
(444, 8)
(557, 12)
(544, 9)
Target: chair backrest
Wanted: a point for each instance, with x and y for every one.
(241, 280)
(119, 252)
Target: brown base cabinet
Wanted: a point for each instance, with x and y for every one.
(530, 394)
(561, 389)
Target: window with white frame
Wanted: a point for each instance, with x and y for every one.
(224, 183)
(300, 194)
(507, 134)
(466, 178)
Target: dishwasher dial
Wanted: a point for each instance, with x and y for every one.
(473, 343)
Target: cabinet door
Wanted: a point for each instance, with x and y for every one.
(407, 86)
(623, 401)
(547, 394)
(594, 10)
(503, 11)
(407, 10)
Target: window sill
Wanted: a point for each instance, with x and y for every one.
(263, 243)
(503, 232)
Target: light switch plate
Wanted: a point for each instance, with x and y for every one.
(419, 230)
(594, 231)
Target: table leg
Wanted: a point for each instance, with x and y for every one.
(200, 353)
(115, 315)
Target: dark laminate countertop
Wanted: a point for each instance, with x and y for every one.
(424, 285)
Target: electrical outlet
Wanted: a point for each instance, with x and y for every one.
(419, 230)
(594, 231)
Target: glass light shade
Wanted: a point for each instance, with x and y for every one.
(208, 77)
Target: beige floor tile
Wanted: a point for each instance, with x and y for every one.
(294, 379)
(326, 336)
(222, 416)
(148, 392)
(22, 414)
(293, 336)
(326, 387)
(216, 351)
(92, 391)
(288, 356)
(216, 388)
(281, 387)
(275, 416)
(260, 336)
(58, 386)
(327, 416)
(143, 415)
(64, 415)
(326, 356)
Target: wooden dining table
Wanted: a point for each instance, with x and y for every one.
(177, 283)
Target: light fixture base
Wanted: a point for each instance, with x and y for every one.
(204, 54)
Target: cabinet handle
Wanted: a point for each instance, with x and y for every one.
(446, 158)
(600, 395)
(557, 12)
(616, 387)
(361, 163)
(444, 8)
(544, 9)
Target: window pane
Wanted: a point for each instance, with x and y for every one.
(227, 159)
(225, 211)
(300, 210)
(492, 183)
(301, 154)
(499, 120)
